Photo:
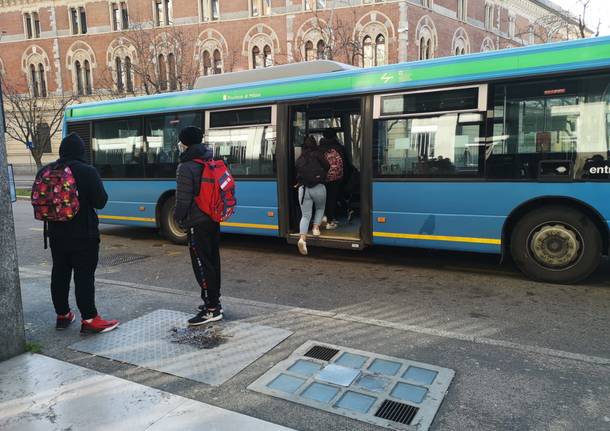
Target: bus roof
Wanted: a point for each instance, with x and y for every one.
(582, 54)
(291, 70)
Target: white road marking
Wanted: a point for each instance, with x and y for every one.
(562, 354)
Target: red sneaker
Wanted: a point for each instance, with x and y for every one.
(64, 321)
(98, 325)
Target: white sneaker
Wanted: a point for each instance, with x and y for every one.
(324, 220)
(302, 245)
(332, 225)
(315, 231)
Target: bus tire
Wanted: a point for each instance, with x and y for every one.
(556, 244)
(169, 228)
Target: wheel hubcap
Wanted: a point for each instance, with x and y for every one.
(555, 246)
(173, 226)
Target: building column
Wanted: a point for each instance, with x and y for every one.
(403, 33)
(59, 81)
(289, 38)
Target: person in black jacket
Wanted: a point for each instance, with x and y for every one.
(75, 244)
(203, 232)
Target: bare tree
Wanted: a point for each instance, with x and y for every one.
(33, 120)
(337, 34)
(562, 25)
(164, 61)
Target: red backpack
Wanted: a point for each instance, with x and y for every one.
(54, 194)
(216, 195)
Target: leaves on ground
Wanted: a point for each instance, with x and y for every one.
(201, 337)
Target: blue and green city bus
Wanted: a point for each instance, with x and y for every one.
(502, 152)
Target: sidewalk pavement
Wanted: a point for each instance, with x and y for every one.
(498, 384)
(41, 393)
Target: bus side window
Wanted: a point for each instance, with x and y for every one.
(162, 155)
(117, 148)
(538, 125)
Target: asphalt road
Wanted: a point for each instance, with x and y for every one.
(468, 310)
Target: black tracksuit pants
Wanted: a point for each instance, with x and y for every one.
(81, 258)
(333, 190)
(204, 244)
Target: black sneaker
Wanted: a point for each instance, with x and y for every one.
(64, 321)
(205, 316)
(203, 307)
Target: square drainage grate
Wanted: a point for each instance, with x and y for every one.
(147, 343)
(385, 391)
(321, 352)
(397, 412)
(120, 258)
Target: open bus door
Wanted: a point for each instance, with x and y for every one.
(344, 117)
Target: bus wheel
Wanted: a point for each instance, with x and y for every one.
(169, 227)
(556, 244)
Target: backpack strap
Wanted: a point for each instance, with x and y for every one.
(45, 233)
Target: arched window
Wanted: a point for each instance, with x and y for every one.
(217, 62)
(128, 78)
(380, 50)
(207, 63)
(257, 59)
(268, 59)
(425, 48)
(34, 79)
(88, 86)
(309, 51)
(78, 70)
(321, 50)
(171, 64)
(367, 52)
(162, 73)
(42, 80)
(119, 74)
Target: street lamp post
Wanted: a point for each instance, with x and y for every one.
(12, 334)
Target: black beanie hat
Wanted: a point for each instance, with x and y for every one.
(72, 147)
(191, 135)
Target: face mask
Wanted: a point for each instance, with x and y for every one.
(181, 147)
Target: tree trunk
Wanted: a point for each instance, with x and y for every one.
(37, 159)
(12, 331)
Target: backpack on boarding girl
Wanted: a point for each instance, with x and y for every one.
(335, 161)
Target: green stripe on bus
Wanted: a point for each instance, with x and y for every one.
(371, 80)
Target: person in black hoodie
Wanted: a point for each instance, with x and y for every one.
(75, 244)
(203, 232)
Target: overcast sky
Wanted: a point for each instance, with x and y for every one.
(599, 10)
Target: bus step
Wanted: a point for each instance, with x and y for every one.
(321, 241)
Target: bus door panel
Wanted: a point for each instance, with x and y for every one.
(429, 158)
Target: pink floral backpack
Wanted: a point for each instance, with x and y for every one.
(335, 161)
(54, 195)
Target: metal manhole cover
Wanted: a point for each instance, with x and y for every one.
(382, 390)
(120, 258)
(148, 343)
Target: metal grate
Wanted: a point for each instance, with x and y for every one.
(120, 258)
(397, 412)
(322, 353)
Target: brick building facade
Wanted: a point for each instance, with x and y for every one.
(110, 48)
